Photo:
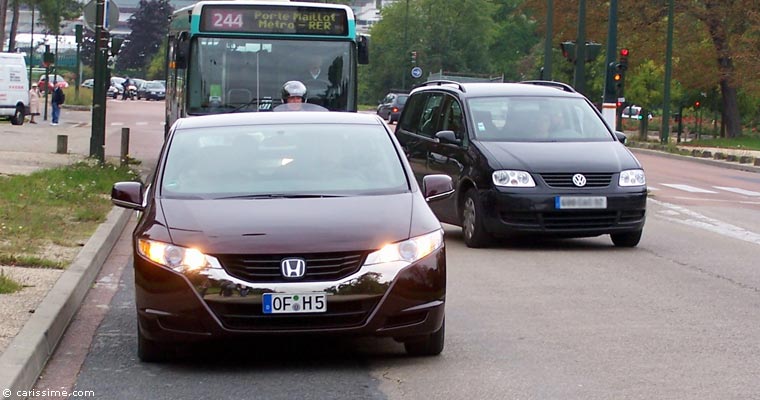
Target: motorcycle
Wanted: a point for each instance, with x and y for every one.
(131, 90)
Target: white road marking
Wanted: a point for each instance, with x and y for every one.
(117, 123)
(687, 188)
(691, 218)
(141, 123)
(739, 191)
(652, 188)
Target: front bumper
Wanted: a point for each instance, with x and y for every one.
(515, 212)
(385, 300)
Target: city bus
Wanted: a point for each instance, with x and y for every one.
(235, 55)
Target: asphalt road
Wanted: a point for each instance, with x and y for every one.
(674, 318)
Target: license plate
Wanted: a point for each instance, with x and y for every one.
(580, 202)
(281, 303)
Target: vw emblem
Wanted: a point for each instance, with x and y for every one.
(579, 180)
(293, 267)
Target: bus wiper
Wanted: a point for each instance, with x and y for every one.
(263, 104)
(280, 196)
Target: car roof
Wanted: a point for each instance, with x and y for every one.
(486, 89)
(288, 117)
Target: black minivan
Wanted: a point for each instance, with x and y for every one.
(530, 158)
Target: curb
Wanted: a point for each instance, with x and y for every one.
(708, 161)
(26, 356)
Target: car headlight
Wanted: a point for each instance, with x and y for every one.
(632, 177)
(178, 258)
(409, 250)
(513, 179)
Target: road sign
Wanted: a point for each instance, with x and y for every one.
(416, 72)
(111, 14)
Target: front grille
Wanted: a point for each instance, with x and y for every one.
(564, 180)
(249, 316)
(572, 220)
(266, 267)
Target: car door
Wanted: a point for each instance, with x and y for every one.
(416, 129)
(445, 157)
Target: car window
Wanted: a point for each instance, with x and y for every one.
(410, 119)
(430, 115)
(402, 100)
(453, 119)
(536, 119)
(283, 159)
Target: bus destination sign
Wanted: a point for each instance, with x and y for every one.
(274, 19)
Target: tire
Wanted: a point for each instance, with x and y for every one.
(626, 239)
(18, 116)
(428, 345)
(473, 229)
(390, 118)
(150, 351)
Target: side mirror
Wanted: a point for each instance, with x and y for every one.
(363, 50)
(437, 187)
(128, 195)
(448, 137)
(621, 137)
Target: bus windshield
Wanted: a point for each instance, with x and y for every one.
(247, 74)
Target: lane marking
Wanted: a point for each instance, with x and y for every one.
(739, 191)
(652, 188)
(142, 123)
(691, 218)
(117, 123)
(687, 188)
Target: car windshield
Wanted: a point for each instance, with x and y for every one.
(282, 160)
(154, 85)
(536, 119)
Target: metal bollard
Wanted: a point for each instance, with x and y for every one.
(63, 144)
(124, 154)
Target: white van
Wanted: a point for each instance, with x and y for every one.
(14, 87)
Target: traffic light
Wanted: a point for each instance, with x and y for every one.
(624, 59)
(697, 104)
(414, 57)
(568, 50)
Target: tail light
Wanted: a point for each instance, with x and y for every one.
(394, 109)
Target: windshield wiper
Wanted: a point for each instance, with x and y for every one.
(280, 196)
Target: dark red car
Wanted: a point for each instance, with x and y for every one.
(293, 222)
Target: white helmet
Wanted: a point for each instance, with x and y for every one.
(293, 89)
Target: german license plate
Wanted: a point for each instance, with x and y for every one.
(580, 202)
(281, 303)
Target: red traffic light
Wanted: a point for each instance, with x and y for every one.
(623, 52)
(619, 104)
(697, 104)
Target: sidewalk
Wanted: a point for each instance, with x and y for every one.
(31, 147)
(33, 320)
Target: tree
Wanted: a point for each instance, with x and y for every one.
(149, 25)
(453, 35)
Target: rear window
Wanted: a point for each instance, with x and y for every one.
(349, 159)
(536, 119)
(402, 100)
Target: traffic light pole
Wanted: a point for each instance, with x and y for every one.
(547, 71)
(664, 132)
(579, 81)
(98, 133)
(609, 101)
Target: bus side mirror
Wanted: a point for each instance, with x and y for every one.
(363, 50)
(182, 51)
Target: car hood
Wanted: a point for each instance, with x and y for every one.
(245, 226)
(560, 156)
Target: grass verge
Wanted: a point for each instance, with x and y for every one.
(741, 142)
(8, 285)
(47, 216)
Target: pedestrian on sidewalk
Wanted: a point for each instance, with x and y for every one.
(58, 99)
(34, 103)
